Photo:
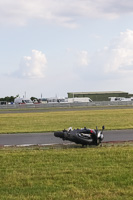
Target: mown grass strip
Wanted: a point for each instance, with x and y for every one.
(52, 121)
(77, 173)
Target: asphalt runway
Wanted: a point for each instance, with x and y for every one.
(27, 139)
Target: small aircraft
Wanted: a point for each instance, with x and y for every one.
(82, 136)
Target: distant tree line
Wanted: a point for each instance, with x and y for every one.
(33, 98)
(8, 99)
(11, 98)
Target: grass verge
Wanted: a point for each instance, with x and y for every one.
(58, 120)
(61, 174)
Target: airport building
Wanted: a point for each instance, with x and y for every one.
(99, 96)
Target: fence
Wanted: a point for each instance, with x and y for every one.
(68, 105)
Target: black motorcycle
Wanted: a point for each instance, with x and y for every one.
(82, 136)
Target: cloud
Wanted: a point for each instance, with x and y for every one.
(33, 66)
(65, 13)
(114, 61)
(83, 59)
(119, 55)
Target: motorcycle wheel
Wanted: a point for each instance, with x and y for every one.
(96, 141)
(59, 134)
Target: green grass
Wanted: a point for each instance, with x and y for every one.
(66, 174)
(58, 120)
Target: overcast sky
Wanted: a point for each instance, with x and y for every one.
(52, 47)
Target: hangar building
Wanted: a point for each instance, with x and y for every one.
(99, 96)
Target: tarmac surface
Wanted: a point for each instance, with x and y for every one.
(55, 109)
(27, 139)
